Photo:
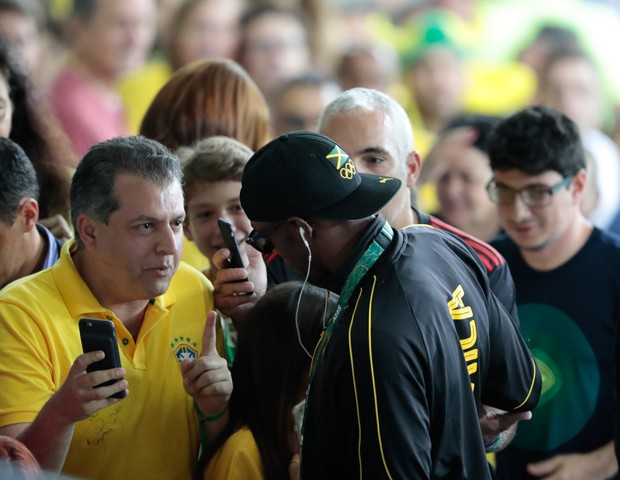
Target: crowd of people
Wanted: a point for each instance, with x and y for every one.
(429, 240)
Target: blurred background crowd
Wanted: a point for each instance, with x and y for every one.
(214, 80)
(76, 72)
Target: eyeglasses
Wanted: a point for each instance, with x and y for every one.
(536, 196)
(260, 240)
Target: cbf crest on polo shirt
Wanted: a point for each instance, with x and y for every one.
(342, 162)
(184, 348)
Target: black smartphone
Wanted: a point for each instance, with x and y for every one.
(97, 334)
(230, 241)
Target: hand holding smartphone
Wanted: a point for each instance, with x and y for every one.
(97, 334)
(230, 241)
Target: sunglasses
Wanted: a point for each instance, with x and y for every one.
(260, 239)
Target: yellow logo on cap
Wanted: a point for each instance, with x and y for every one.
(343, 163)
(385, 179)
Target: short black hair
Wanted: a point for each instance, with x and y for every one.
(535, 140)
(483, 124)
(17, 181)
(93, 188)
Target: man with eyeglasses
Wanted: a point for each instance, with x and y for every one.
(568, 286)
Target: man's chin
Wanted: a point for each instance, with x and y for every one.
(157, 287)
(532, 246)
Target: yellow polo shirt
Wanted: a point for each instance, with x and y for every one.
(153, 433)
(237, 459)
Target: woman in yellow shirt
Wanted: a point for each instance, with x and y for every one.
(270, 375)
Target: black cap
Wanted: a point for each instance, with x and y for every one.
(306, 174)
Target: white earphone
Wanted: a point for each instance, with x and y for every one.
(303, 237)
(302, 234)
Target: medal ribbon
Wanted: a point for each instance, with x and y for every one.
(362, 266)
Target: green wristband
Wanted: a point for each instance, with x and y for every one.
(210, 418)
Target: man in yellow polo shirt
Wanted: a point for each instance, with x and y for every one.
(127, 211)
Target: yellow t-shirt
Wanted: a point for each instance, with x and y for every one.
(153, 433)
(139, 88)
(238, 459)
(193, 256)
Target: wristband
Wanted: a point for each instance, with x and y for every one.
(209, 418)
(493, 446)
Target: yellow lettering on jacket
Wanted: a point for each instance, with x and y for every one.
(460, 311)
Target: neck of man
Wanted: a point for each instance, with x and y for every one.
(432, 119)
(34, 252)
(404, 215)
(343, 241)
(102, 80)
(562, 248)
(129, 312)
(405, 218)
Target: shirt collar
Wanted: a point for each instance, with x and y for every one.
(53, 246)
(76, 294)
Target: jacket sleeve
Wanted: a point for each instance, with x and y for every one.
(513, 381)
(502, 285)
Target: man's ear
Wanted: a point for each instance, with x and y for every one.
(299, 225)
(414, 164)
(580, 182)
(86, 227)
(187, 231)
(28, 214)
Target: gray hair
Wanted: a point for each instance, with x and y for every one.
(370, 100)
(93, 188)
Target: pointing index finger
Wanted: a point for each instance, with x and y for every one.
(209, 347)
